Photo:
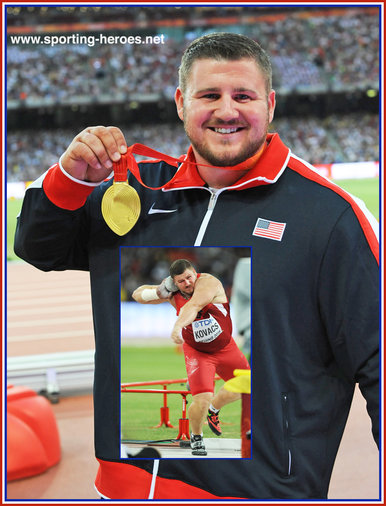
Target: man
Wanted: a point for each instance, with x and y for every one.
(205, 325)
(315, 258)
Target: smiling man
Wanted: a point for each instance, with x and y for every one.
(204, 328)
(314, 269)
(226, 107)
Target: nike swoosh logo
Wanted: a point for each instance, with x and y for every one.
(152, 210)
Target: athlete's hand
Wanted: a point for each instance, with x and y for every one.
(166, 289)
(91, 154)
(176, 335)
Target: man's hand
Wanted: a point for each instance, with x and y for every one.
(91, 154)
(166, 289)
(176, 334)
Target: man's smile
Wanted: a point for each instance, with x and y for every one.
(226, 130)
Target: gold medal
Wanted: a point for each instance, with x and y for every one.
(121, 205)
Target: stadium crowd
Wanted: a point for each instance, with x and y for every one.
(141, 266)
(336, 51)
(348, 138)
(332, 51)
(38, 15)
(312, 51)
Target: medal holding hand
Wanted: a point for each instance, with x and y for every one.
(91, 154)
(91, 157)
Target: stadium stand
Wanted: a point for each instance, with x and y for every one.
(325, 66)
(317, 52)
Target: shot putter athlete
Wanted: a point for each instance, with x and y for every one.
(204, 328)
(314, 273)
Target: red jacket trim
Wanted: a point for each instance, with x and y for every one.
(267, 170)
(65, 191)
(116, 480)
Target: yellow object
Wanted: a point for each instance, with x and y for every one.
(121, 207)
(241, 383)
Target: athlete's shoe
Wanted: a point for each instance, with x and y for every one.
(214, 423)
(197, 445)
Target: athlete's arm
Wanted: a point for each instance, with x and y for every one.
(207, 289)
(147, 294)
(155, 294)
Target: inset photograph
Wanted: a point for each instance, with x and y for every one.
(185, 352)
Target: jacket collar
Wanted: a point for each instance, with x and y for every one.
(267, 170)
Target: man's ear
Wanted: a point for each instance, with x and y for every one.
(179, 100)
(271, 104)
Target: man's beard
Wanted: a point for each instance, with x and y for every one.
(225, 159)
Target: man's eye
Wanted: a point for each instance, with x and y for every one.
(211, 96)
(242, 97)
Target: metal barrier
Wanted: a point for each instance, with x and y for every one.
(183, 423)
(53, 374)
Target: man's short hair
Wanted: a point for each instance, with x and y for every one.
(224, 46)
(179, 267)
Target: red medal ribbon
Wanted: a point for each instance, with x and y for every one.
(128, 162)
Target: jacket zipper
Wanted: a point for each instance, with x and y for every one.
(207, 217)
(287, 449)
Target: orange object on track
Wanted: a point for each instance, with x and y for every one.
(33, 443)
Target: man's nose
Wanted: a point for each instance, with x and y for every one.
(226, 109)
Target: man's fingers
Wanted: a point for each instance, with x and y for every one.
(90, 150)
(113, 140)
(163, 292)
(102, 142)
(119, 139)
(177, 338)
(93, 149)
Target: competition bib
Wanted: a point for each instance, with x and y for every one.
(207, 330)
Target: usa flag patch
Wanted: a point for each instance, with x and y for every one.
(269, 229)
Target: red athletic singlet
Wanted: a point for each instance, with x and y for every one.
(212, 328)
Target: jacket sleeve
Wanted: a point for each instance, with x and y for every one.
(51, 230)
(349, 305)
